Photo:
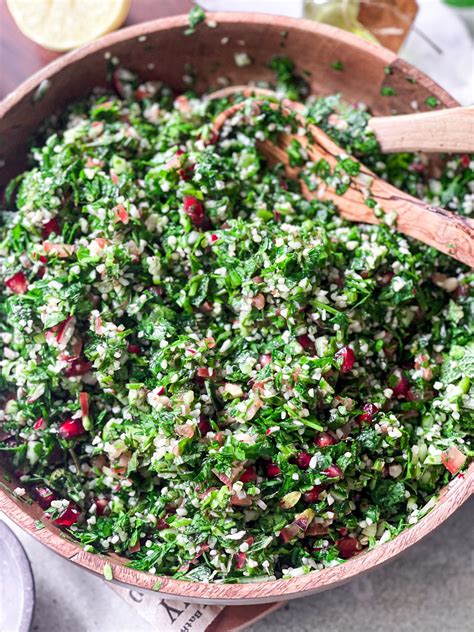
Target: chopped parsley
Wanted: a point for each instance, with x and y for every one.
(208, 374)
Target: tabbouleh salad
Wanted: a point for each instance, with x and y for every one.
(208, 374)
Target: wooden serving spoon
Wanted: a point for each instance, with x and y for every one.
(437, 227)
(450, 130)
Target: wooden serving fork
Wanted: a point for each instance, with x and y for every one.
(447, 232)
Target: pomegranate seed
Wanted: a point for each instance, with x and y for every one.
(240, 560)
(204, 425)
(402, 387)
(249, 475)
(311, 496)
(71, 428)
(17, 283)
(302, 460)
(324, 439)
(453, 459)
(369, 411)
(194, 210)
(186, 173)
(44, 497)
(213, 238)
(307, 344)
(348, 547)
(264, 359)
(39, 424)
(134, 349)
(272, 470)
(465, 160)
(333, 471)
(69, 516)
(101, 505)
(78, 367)
(348, 358)
(213, 138)
(161, 524)
(50, 228)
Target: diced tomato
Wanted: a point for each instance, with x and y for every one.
(182, 104)
(204, 372)
(121, 213)
(60, 250)
(240, 560)
(453, 459)
(17, 283)
(84, 403)
(63, 331)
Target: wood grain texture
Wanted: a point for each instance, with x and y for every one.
(165, 54)
(450, 130)
(443, 131)
(25, 515)
(447, 232)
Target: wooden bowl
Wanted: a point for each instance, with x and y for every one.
(159, 49)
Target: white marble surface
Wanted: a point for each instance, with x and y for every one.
(429, 588)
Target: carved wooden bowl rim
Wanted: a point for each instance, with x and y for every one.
(26, 515)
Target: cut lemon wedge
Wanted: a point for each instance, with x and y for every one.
(62, 25)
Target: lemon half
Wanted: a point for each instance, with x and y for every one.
(62, 25)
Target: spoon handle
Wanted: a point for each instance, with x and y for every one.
(450, 130)
(437, 227)
(446, 231)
